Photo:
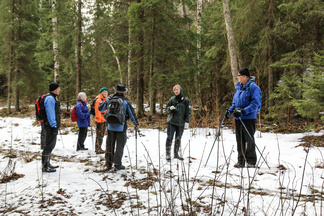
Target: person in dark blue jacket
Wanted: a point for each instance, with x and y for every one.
(52, 123)
(117, 132)
(246, 103)
(83, 121)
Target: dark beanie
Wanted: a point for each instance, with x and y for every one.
(53, 86)
(245, 71)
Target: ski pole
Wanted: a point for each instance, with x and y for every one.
(136, 146)
(215, 140)
(92, 138)
(253, 142)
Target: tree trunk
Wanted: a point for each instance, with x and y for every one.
(78, 47)
(198, 92)
(117, 60)
(152, 79)
(55, 45)
(18, 65)
(129, 61)
(10, 71)
(140, 67)
(270, 53)
(231, 42)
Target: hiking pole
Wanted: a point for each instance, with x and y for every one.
(253, 142)
(92, 138)
(136, 146)
(215, 140)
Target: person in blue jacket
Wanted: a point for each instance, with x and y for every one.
(83, 121)
(246, 103)
(117, 132)
(52, 123)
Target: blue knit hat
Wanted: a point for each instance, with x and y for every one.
(104, 89)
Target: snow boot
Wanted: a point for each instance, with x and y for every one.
(176, 150)
(168, 153)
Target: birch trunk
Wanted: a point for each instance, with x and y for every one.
(55, 45)
(231, 42)
(198, 93)
(117, 60)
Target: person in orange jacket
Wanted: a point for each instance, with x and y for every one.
(100, 120)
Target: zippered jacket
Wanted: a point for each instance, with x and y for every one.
(83, 114)
(182, 113)
(53, 112)
(99, 115)
(248, 98)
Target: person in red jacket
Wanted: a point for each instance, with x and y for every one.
(100, 120)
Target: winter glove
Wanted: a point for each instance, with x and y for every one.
(239, 112)
(227, 113)
(186, 126)
(101, 104)
(55, 130)
(172, 108)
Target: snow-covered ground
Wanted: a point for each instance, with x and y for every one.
(82, 187)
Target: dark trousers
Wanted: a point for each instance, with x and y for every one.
(100, 132)
(171, 130)
(82, 137)
(43, 136)
(114, 153)
(50, 142)
(245, 146)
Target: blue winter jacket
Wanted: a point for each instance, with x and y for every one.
(248, 98)
(49, 104)
(127, 111)
(83, 114)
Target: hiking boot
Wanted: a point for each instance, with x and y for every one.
(53, 167)
(82, 149)
(48, 169)
(238, 165)
(120, 167)
(178, 157)
(168, 153)
(250, 165)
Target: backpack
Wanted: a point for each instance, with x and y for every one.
(92, 109)
(260, 93)
(74, 116)
(115, 112)
(40, 108)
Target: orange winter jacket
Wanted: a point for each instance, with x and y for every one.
(99, 116)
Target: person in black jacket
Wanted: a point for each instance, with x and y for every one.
(179, 110)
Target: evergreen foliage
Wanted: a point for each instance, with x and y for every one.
(151, 45)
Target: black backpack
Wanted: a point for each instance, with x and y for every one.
(92, 109)
(115, 113)
(40, 108)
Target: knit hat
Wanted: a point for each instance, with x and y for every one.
(53, 86)
(104, 89)
(245, 71)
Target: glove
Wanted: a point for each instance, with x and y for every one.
(239, 112)
(172, 108)
(136, 128)
(101, 104)
(186, 126)
(55, 130)
(227, 113)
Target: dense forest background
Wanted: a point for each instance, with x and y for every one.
(151, 45)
